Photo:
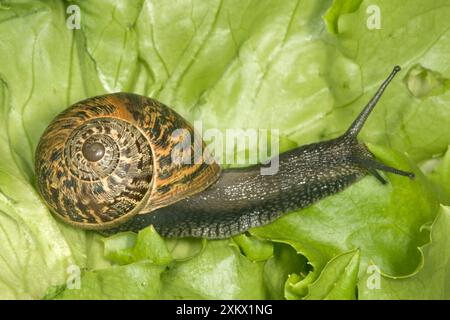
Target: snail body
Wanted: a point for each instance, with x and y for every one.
(105, 164)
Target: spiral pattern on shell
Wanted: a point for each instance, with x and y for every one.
(107, 158)
(97, 192)
(125, 154)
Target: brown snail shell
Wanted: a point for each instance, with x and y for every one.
(107, 159)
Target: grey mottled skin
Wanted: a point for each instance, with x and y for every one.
(243, 198)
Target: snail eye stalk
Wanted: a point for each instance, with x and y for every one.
(358, 123)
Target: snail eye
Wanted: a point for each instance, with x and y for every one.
(93, 151)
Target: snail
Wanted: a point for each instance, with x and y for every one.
(105, 164)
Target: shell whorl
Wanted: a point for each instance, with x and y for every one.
(125, 154)
(107, 158)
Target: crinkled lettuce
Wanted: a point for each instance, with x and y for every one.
(305, 68)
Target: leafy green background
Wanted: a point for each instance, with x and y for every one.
(303, 67)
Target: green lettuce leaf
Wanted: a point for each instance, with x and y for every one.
(305, 68)
(284, 264)
(432, 282)
(253, 248)
(338, 279)
(219, 272)
(438, 171)
(139, 279)
(406, 120)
